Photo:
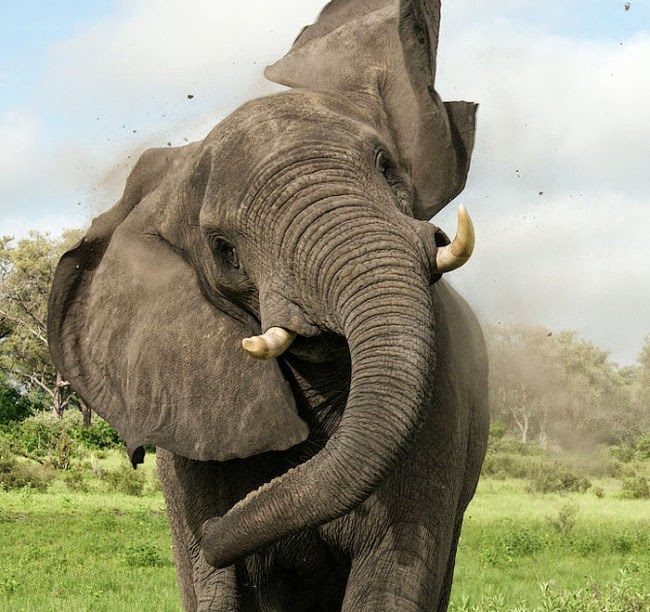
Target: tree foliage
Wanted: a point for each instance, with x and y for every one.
(560, 388)
(26, 272)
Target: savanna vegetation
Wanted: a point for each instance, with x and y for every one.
(561, 520)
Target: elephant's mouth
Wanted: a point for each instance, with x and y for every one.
(322, 348)
(319, 346)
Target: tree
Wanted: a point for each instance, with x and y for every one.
(638, 381)
(523, 374)
(26, 273)
(561, 388)
(13, 405)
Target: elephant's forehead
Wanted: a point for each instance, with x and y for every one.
(295, 116)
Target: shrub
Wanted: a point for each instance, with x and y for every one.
(585, 543)
(43, 436)
(74, 480)
(622, 543)
(99, 436)
(599, 492)
(125, 480)
(497, 431)
(515, 542)
(61, 442)
(143, 555)
(506, 465)
(643, 446)
(8, 582)
(557, 479)
(16, 474)
(13, 405)
(627, 594)
(566, 519)
(636, 487)
(623, 453)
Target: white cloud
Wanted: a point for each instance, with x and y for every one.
(19, 136)
(559, 111)
(155, 53)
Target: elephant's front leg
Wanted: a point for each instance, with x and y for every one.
(402, 538)
(192, 491)
(400, 573)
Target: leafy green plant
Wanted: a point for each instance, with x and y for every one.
(565, 520)
(143, 555)
(636, 487)
(8, 582)
(14, 406)
(555, 478)
(623, 452)
(16, 474)
(513, 543)
(75, 481)
(643, 446)
(45, 437)
(585, 543)
(598, 492)
(98, 436)
(627, 594)
(126, 480)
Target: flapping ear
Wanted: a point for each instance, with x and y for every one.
(382, 53)
(131, 330)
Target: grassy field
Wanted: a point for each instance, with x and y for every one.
(95, 550)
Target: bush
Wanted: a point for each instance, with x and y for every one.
(16, 474)
(45, 437)
(125, 480)
(599, 492)
(636, 487)
(61, 442)
(585, 543)
(555, 478)
(623, 453)
(74, 480)
(515, 542)
(99, 436)
(627, 594)
(143, 555)
(497, 431)
(566, 519)
(643, 446)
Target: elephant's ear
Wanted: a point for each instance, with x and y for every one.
(131, 330)
(382, 53)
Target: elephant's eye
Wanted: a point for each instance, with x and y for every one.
(230, 256)
(386, 167)
(226, 252)
(382, 163)
(395, 180)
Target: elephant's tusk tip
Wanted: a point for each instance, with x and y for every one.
(460, 250)
(272, 343)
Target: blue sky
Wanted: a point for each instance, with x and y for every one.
(559, 182)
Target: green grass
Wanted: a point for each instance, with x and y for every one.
(96, 550)
(100, 550)
(513, 543)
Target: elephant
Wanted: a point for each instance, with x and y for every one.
(266, 308)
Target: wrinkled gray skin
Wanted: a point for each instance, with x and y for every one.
(305, 210)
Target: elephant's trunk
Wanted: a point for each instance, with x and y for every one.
(384, 309)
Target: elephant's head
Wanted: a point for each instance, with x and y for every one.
(300, 215)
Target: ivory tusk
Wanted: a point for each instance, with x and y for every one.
(460, 250)
(272, 343)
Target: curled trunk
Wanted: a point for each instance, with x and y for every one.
(385, 313)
